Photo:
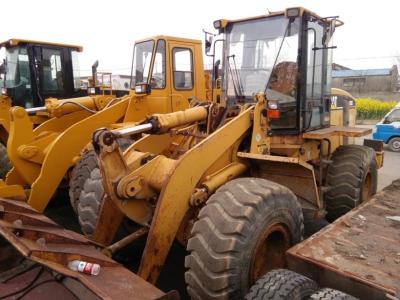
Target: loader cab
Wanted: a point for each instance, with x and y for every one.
(169, 70)
(34, 71)
(286, 56)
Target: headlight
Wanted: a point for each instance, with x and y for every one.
(217, 24)
(272, 104)
(293, 12)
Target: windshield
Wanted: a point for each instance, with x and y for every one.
(18, 78)
(142, 54)
(17, 67)
(259, 52)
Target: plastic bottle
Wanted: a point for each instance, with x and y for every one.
(84, 267)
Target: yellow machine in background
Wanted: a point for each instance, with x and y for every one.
(35, 152)
(33, 71)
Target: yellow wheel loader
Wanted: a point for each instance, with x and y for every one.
(234, 180)
(35, 153)
(237, 182)
(33, 71)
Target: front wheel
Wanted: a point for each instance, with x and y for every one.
(394, 144)
(242, 233)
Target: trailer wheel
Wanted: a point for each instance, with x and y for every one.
(282, 284)
(352, 178)
(5, 164)
(241, 233)
(82, 170)
(394, 144)
(331, 294)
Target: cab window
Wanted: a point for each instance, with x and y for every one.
(158, 76)
(52, 70)
(183, 68)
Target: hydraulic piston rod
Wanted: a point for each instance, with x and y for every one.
(34, 110)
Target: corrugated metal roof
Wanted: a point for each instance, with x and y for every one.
(361, 73)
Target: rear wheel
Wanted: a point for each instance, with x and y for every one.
(394, 144)
(282, 284)
(331, 294)
(241, 234)
(5, 164)
(352, 178)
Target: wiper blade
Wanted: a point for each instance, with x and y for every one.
(237, 86)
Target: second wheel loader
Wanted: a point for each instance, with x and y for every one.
(167, 74)
(33, 71)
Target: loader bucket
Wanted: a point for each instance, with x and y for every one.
(43, 241)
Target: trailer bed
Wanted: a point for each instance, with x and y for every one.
(360, 252)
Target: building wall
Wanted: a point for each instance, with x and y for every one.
(384, 87)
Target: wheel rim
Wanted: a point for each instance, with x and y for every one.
(367, 188)
(396, 145)
(270, 251)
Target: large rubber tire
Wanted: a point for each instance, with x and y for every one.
(79, 174)
(352, 178)
(90, 202)
(82, 169)
(247, 218)
(5, 164)
(331, 294)
(282, 284)
(394, 144)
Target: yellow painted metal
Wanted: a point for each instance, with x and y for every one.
(214, 181)
(165, 122)
(5, 104)
(12, 191)
(70, 142)
(15, 42)
(173, 202)
(260, 142)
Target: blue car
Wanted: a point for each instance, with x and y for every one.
(388, 130)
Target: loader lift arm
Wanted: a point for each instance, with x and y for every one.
(175, 194)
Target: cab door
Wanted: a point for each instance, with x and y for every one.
(183, 86)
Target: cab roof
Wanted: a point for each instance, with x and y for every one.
(16, 42)
(302, 10)
(169, 38)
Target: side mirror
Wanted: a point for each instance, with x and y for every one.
(142, 89)
(387, 121)
(208, 43)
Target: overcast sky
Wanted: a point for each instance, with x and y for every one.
(108, 29)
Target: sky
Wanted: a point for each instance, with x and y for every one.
(107, 29)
